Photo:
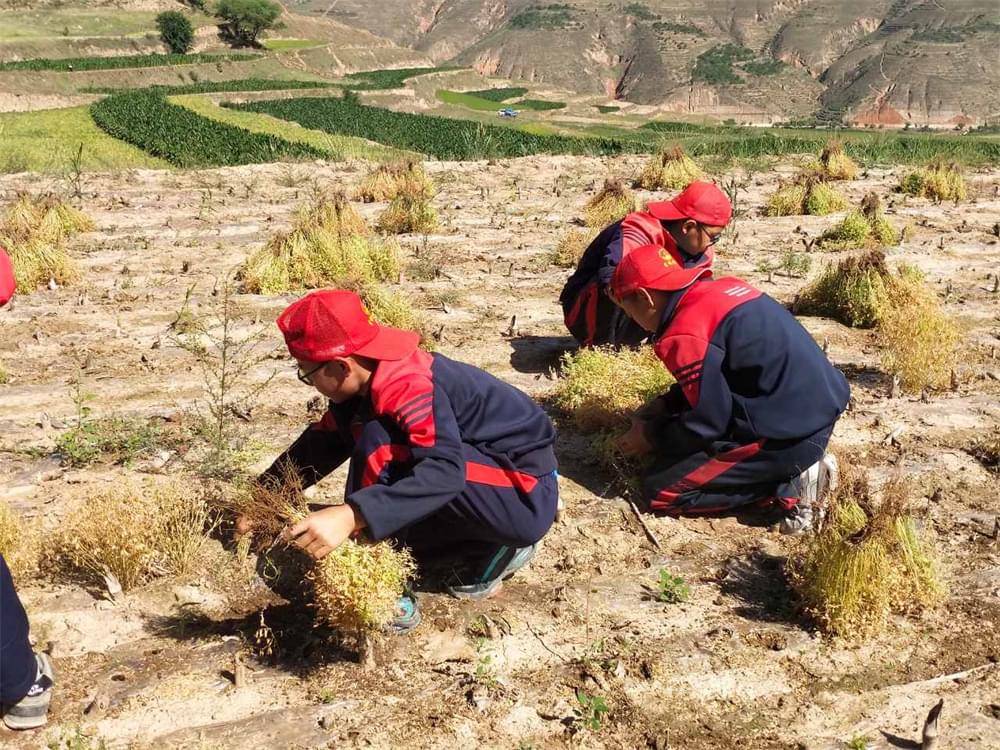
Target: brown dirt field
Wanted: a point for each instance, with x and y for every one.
(734, 667)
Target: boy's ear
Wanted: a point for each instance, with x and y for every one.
(647, 298)
(341, 365)
(688, 225)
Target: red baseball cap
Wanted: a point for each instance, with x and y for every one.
(332, 323)
(702, 201)
(652, 267)
(7, 283)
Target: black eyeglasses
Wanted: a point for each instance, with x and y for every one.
(712, 239)
(306, 377)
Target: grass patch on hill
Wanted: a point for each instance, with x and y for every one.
(436, 136)
(550, 17)
(47, 140)
(333, 146)
(55, 21)
(74, 64)
(281, 45)
(182, 137)
(498, 95)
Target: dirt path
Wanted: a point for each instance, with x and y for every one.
(732, 667)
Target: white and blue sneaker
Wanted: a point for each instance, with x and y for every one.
(502, 564)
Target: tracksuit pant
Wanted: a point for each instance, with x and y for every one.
(594, 320)
(730, 474)
(18, 667)
(499, 505)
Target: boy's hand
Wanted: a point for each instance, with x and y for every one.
(634, 442)
(321, 532)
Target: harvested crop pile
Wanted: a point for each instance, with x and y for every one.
(808, 194)
(669, 169)
(34, 230)
(940, 181)
(865, 227)
(387, 181)
(835, 164)
(613, 202)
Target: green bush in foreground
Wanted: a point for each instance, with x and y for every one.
(145, 119)
(175, 31)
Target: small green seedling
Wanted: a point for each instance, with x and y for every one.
(590, 712)
(672, 589)
(859, 742)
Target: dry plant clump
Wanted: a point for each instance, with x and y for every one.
(919, 343)
(940, 181)
(388, 181)
(859, 290)
(34, 231)
(570, 248)
(390, 308)
(328, 242)
(355, 588)
(865, 227)
(613, 202)
(987, 450)
(135, 532)
(20, 544)
(669, 169)
(808, 194)
(407, 214)
(835, 164)
(601, 387)
(866, 561)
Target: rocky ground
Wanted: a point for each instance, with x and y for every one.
(734, 666)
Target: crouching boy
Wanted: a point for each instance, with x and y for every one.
(755, 401)
(441, 453)
(687, 226)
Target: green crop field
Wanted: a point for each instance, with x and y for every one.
(184, 138)
(283, 45)
(391, 78)
(67, 64)
(498, 95)
(45, 141)
(335, 146)
(62, 23)
(435, 136)
(468, 100)
(210, 87)
(538, 105)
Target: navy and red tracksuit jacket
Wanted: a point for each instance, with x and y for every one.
(437, 404)
(583, 292)
(746, 371)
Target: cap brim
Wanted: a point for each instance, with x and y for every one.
(678, 280)
(390, 344)
(664, 211)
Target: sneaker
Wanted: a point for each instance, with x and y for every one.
(502, 564)
(817, 482)
(31, 712)
(407, 615)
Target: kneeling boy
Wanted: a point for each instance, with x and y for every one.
(687, 226)
(755, 401)
(440, 452)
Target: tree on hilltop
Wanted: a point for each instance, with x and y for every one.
(175, 31)
(244, 20)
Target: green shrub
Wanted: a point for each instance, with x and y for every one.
(145, 119)
(175, 31)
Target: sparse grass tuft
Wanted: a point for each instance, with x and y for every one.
(940, 181)
(388, 181)
(135, 532)
(866, 227)
(601, 387)
(807, 195)
(328, 244)
(19, 544)
(866, 561)
(356, 586)
(669, 169)
(34, 230)
(613, 202)
(570, 248)
(919, 343)
(859, 290)
(835, 164)
(117, 439)
(408, 213)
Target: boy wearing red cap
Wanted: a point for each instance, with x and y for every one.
(687, 226)
(26, 678)
(441, 453)
(755, 401)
